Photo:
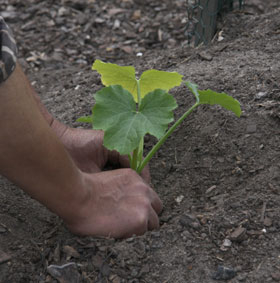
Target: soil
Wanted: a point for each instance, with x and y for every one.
(218, 175)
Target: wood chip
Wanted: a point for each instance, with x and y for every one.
(70, 252)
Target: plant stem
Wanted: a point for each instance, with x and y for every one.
(162, 140)
(134, 162)
(138, 152)
(138, 93)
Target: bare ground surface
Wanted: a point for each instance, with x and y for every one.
(218, 176)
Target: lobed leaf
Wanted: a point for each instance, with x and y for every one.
(154, 79)
(211, 97)
(115, 112)
(112, 74)
(194, 89)
(226, 101)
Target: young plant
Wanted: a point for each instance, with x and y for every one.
(127, 109)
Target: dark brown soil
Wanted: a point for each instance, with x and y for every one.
(218, 176)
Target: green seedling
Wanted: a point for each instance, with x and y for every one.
(127, 108)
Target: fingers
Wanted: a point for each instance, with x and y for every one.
(156, 203)
(121, 204)
(153, 222)
(145, 174)
(141, 206)
(139, 221)
(123, 161)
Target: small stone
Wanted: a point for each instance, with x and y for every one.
(117, 24)
(136, 15)
(224, 273)
(238, 234)
(130, 240)
(179, 199)
(261, 94)
(241, 277)
(127, 49)
(81, 62)
(9, 15)
(251, 128)
(155, 234)
(205, 56)
(56, 254)
(211, 191)
(188, 220)
(165, 218)
(226, 244)
(4, 257)
(115, 11)
(2, 229)
(115, 279)
(267, 222)
(62, 11)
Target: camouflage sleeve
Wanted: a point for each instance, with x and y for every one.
(8, 51)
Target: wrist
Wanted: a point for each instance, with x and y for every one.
(75, 212)
(72, 206)
(59, 128)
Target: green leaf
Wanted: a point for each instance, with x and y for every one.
(211, 97)
(194, 89)
(156, 109)
(154, 79)
(112, 74)
(116, 114)
(85, 119)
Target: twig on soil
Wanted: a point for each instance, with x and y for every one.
(175, 156)
(209, 230)
(5, 227)
(263, 211)
(259, 266)
(220, 259)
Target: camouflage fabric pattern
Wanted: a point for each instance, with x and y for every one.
(8, 51)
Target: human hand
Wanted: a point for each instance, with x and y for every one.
(118, 204)
(87, 150)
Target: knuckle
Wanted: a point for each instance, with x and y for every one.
(142, 218)
(145, 189)
(131, 172)
(146, 204)
(128, 171)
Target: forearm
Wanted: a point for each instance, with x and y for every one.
(31, 155)
(58, 127)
